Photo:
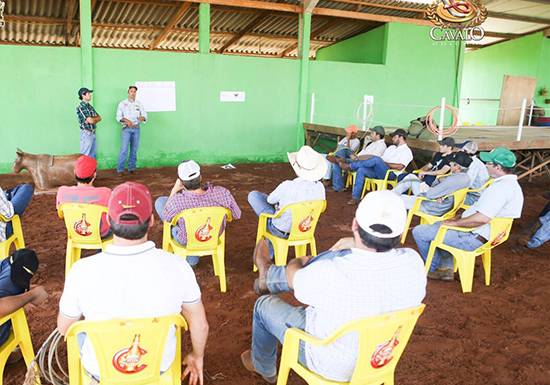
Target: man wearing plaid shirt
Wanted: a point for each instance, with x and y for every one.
(188, 193)
(87, 119)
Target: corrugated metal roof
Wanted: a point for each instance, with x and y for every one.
(137, 23)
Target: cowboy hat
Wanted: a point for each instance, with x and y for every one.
(308, 163)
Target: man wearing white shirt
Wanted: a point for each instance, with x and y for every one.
(502, 199)
(477, 171)
(396, 157)
(309, 166)
(130, 113)
(361, 276)
(345, 149)
(376, 147)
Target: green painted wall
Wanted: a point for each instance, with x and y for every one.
(369, 47)
(410, 83)
(484, 70)
(38, 98)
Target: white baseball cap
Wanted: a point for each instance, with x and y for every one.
(382, 208)
(189, 170)
(308, 163)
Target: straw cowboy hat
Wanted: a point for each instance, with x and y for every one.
(308, 163)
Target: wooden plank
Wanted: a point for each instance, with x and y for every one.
(514, 90)
(362, 4)
(534, 169)
(254, 4)
(175, 19)
(369, 16)
(509, 16)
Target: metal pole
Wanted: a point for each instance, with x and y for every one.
(365, 112)
(312, 107)
(441, 119)
(521, 118)
(531, 111)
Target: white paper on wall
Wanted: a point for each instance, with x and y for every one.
(157, 96)
(232, 96)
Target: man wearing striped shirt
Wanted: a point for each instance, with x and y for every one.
(87, 120)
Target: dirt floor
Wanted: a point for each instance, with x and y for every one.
(495, 335)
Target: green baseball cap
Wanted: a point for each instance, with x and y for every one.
(379, 130)
(499, 155)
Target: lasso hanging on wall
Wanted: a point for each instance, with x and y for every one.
(2, 21)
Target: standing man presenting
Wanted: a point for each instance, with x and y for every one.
(87, 119)
(131, 114)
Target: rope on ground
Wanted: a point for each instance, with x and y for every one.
(46, 365)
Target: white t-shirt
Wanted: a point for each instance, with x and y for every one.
(345, 288)
(502, 199)
(293, 191)
(478, 173)
(376, 148)
(353, 144)
(398, 154)
(128, 282)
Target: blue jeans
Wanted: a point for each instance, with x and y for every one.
(258, 202)
(425, 234)
(87, 143)
(337, 178)
(543, 233)
(130, 138)
(20, 196)
(192, 260)
(372, 168)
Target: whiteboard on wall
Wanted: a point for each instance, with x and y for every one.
(157, 96)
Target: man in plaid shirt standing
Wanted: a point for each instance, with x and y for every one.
(87, 119)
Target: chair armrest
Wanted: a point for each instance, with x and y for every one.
(10, 316)
(456, 228)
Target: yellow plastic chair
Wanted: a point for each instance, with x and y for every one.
(19, 336)
(382, 340)
(128, 351)
(305, 216)
(458, 200)
(82, 221)
(380, 184)
(202, 226)
(464, 261)
(16, 238)
(477, 190)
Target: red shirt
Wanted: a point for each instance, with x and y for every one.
(86, 194)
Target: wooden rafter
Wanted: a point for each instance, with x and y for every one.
(175, 19)
(362, 4)
(253, 24)
(283, 7)
(527, 19)
(316, 32)
(368, 16)
(309, 5)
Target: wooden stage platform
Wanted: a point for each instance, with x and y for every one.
(533, 150)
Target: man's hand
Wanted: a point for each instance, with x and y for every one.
(343, 243)
(90, 120)
(127, 122)
(141, 119)
(353, 157)
(193, 368)
(39, 295)
(178, 186)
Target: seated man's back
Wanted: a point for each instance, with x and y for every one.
(358, 285)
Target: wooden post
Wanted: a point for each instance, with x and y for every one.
(312, 107)
(304, 31)
(86, 58)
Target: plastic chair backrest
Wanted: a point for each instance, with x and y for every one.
(458, 199)
(128, 351)
(500, 231)
(305, 216)
(82, 221)
(203, 225)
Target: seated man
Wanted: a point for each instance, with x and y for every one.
(396, 157)
(13, 201)
(134, 279)
(344, 149)
(16, 273)
(85, 173)
(309, 167)
(446, 185)
(188, 193)
(439, 165)
(542, 234)
(502, 199)
(382, 279)
(375, 147)
(477, 171)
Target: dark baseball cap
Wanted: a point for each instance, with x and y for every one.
(23, 263)
(379, 130)
(461, 158)
(130, 198)
(400, 132)
(448, 141)
(83, 91)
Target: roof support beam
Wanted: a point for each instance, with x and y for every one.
(362, 4)
(368, 16)
(322, 29)
(254, 4)
(309, 5)
(304, 35)
(86, 58)
(204, 28)
(253, 24)
(175, 19)
(526, 19)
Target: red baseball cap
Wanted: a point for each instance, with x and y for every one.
(130, 198)
(85, 166)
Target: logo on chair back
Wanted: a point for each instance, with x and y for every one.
(305, 224)
(82, 227)
(384, 352)
(203, 232)
(128, 361)
(498, 238)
